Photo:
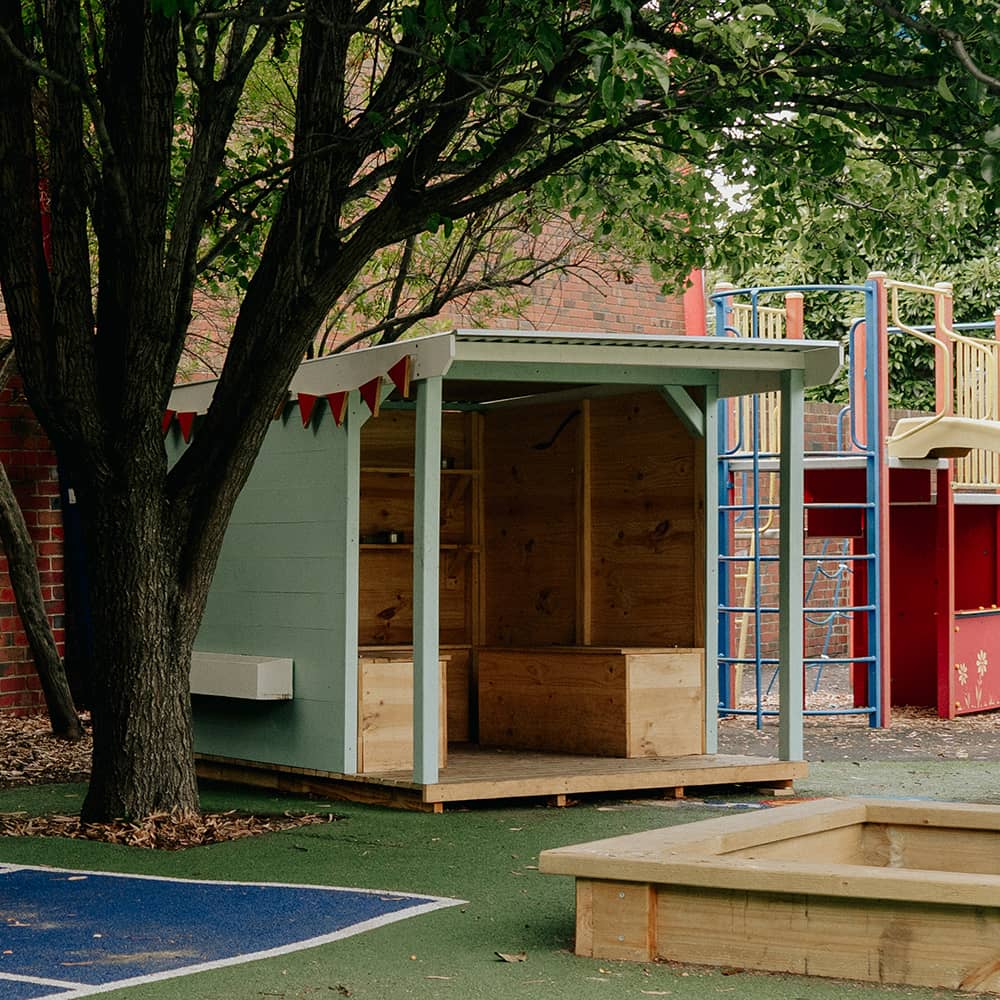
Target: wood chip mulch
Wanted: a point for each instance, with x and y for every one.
(161, 831)
(31, 755)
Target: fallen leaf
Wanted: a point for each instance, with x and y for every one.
(518, 956)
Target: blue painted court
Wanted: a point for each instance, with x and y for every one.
(67, 934)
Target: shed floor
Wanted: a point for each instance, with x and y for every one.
(482, 773)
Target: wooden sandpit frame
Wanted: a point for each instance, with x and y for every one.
(877, 890)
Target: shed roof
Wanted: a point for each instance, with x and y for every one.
(483, 366)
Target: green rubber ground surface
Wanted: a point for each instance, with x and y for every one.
(485, 856)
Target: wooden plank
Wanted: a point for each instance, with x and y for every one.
(584, 945)
(476, 775)
(923, 945)
(797, 878)
(946, 849)
(458, 692)
(618, 921)
(586, 781)
(546, 700)
(845, 845)
(643, 548)
(478, 577)
(607, 859)
(584, 594)
(666, 713)
(592, 700)
(340, 789)
(385, 713)
(530, 497)
(428, 708)
(701, 512)
(790, 637)
(968, 815)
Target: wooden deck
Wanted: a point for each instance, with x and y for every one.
(483, 774)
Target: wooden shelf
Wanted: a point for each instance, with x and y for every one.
(399, 470)
(408, 546)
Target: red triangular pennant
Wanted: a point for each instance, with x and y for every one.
(400, 374)
(186, 422)
(338, 406)
(306, 404)
(371, 393)
(168, 419)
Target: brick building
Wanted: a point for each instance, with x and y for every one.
(31, 467)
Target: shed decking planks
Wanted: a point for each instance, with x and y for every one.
(485, 774)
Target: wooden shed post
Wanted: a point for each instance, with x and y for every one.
(791, 500)
(710, 603)
(345, 627)
(426, 571)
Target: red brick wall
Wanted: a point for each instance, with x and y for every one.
(31, 467)
(594, 303)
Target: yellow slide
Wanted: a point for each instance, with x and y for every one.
(942, 437)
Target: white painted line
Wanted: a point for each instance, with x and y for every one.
(188, 970)
(77, 990)
(390, 893)
(39, 981)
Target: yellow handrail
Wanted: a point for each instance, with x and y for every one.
(970, 381)
(894, 288)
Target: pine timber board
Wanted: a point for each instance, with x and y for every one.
(385, 711)
(612, 702)
(643, 548)
(476, 774)
(881, 891)
(530, 499)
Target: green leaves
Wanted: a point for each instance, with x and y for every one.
(823, 23)
(171, 8)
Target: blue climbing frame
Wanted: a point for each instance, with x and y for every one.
(748, 464)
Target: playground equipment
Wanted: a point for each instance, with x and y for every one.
(888, 515)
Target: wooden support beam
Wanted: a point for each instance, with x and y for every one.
(345, 626)
(426, 573)
(708, 521)
(685, 409)
(791, 498)
(584, 588)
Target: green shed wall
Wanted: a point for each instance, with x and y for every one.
(277, 591)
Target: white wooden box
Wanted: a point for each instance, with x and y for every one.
(233, 675)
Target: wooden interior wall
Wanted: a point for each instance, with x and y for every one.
(591, 510)
(385, 600)
(532, 460)
(644, 492)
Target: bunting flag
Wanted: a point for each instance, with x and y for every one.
(338, 406)
(186, 423)
(371, 393)
(400, 374)
(306, 405)
(168, 419)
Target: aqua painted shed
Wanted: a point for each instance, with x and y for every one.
(489, 578)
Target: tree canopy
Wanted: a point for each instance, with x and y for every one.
(145, 123)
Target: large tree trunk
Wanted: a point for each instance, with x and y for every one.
(144, 632)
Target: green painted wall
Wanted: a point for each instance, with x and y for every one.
(279, 590)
